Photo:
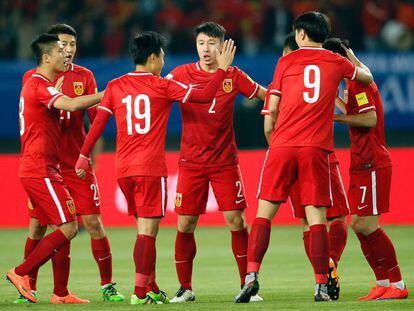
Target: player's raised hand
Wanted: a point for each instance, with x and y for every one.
(59, 83)
(350, 54)
(225, 57)
(81, 166)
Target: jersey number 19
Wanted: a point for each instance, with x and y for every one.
(134, 110)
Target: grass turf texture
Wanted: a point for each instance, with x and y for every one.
(286, 278)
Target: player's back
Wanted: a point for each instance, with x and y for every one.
(307, 81)
(368, 146)
(39, 128)
(140, 104)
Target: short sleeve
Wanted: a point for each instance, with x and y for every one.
(348, 69)
(265, 109)
(177, 91)
(91, 87)
(364, 99)
(47, 94)
(174, 74)
(276, 85)
(246, 84)
(106, 102)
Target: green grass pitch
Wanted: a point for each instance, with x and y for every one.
(286, 278)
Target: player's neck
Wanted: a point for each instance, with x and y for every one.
(47, 73)
(308, 43)
(209, 67)
(142, 68)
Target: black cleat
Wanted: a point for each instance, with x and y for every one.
(250, 288)
(321, 293)
(333, 281)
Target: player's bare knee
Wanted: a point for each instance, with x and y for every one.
(94, 226)
(235, 221)
(69, 229)
(358, 224)
(187, 224)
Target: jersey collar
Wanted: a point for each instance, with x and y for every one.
(38, 75)
(140, 73)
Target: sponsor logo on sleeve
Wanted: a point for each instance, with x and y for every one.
(78, 88)
(361, 99)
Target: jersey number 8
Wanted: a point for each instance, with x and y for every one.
(141, 100)
(315, 84)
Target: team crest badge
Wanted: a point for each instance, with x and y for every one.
(78, 88)
(71, 206)
(228, 85)
(29, 204)
(178, 200)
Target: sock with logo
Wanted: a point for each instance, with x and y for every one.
(101, 251)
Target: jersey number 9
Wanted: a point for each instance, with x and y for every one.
(315, 84)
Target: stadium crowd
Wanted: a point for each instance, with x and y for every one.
(256, 25)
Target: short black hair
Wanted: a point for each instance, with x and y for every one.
(334, 45)
(211, 29)
(66, 29)
(43, 45)
(145, 44)
(315, 24)
(290, 42)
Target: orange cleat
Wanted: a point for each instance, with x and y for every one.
(21, 283)
(375, 293)
(69, 299)
(394, 292)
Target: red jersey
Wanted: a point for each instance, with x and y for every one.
(265, 111)
(141, 104)
(368, 147)
(208, 136)
(307, 81)
(39, 128)
(78, 81)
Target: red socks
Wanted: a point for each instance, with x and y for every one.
(61, 268)
(338, 234)
(319, 250)
(152, 284)
(306, 239)
(384, 252)
(43, 252)
(102, 253)
(239, 241)
(185, 251)
(28, 248)
(375, 265)
(144, 259)
(258, 243)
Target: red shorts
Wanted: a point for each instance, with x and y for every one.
(49, 201)
(340, 205)
(85, 192)
(308, 166)
(369, 192)
(193, 187)
(146, 195)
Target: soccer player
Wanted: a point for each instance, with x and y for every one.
(370, 180)
(141, 102)
(338, 230)
(208, 155)
(301, 104)
(77, 81)
(39, 173)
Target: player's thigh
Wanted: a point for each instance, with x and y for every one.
(340, 206)
(369, 192)
(85, 192)
(52, 198)
(314, 177)
(228, 188)
(279, 173)
(192, 191)
(294, 199)
(146, 196)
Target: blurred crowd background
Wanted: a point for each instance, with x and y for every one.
(258, 26)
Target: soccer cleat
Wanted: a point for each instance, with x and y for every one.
(160, 298)
(321, 293)
(183, 295)
(333, 281)
(22, 299)
(394, 292)
(256, 298)
(144, 301)
(109, 293)
(250, 288)
(68, 299)
(22, 284)
(375, 293)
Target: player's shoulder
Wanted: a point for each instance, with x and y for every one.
(27, 75)
(185, 68)
(80, 69)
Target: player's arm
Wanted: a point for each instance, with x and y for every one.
(340, 104)
(274, 101)
(367, 119)
(363, 73)
(261, 93)
(269, 127)
(77, 103)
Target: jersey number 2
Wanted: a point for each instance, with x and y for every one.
(315, 84)
(141, 100)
